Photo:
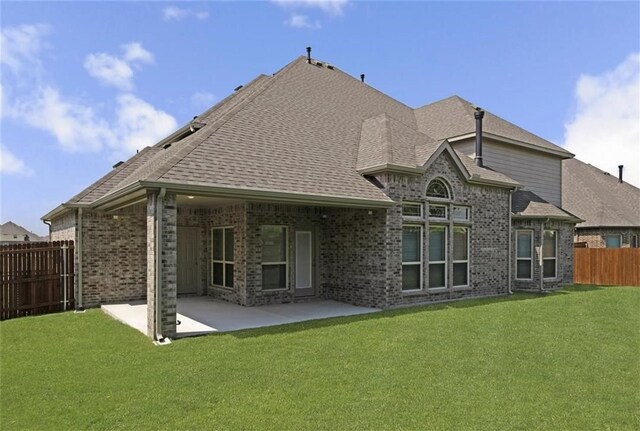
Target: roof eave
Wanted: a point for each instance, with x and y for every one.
(61, 210)
(560, 153)
(389, 167)
(475, 179)
(567, 219)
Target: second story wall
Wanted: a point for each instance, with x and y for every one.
(536, 171)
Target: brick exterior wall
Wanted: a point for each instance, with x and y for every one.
(63, 228)
(488, 253)
(595, 237)
(564, 268)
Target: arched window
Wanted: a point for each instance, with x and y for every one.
(437, 188)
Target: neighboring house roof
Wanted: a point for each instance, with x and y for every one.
(598, 197)
(308, 130)
(11, 232)
(526, 204)
(452, 117)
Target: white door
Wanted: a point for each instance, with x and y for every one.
(304, 274)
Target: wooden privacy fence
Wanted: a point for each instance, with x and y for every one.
(607, 266)
(36, 278)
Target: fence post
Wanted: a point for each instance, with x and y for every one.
(65, 274)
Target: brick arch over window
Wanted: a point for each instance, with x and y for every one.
(439, 188)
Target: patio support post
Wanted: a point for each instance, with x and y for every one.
(161, 265)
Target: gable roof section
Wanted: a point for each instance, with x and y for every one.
(9, 229)
(526, 204)
(453, 117)
(598, 197)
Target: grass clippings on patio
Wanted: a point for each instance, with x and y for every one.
(569, 360)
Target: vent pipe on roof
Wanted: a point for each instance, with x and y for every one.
(479, 115)
(309, 54)
(620, 167)
(362, 77)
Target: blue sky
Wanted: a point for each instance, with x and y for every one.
(85, 84)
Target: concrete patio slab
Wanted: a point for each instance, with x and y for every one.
(202, 315)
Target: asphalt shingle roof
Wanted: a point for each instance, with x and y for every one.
(305, 130)
(598, 197)
(528, 204)
(453, 116)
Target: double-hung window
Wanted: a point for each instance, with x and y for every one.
(275, 265)
(549, 253)
(411, 257)
(222, 256)
(524, 254)
(437, 256)
(460, 256)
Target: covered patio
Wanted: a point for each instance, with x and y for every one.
(200, 315)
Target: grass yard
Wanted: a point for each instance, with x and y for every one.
(569, 360)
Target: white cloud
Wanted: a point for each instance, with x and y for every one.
(174, 13)
(139, 124)
(12, 165)
(115, 71)
(605, 131)
(203, 100)
(301, 21)
(20, 48)
(110, 70)
(330, 7)
(135, 52)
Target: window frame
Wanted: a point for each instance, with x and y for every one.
(530, 259)
(634, 241)
(554, 258)
(446, 211)
(446, 186)
(467, 261)
(467, 211)
(412, 204)
(444, 262)
(285, 263)
(606, 237)
(420, 259)
(224, 260)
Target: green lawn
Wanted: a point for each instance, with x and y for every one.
(569, 360)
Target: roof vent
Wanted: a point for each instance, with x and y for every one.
(309, 54)
(319, 64)
(165, 146)
(620, 167)
(238, 87)
(479, 115)
(330, 67)
(362, 77)
(118, 164)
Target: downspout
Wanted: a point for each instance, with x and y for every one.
(159, 205)
(541, 258)
(79, 306)
(48, 223)
(510, 247)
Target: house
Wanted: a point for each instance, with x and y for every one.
(312, 184)
(11, 233)
(609, 206)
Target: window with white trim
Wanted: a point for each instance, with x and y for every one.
(411, 257)
(460, 213)
(613, 241)
(437, 188)
(524, 254)
(634, 241)
(438, 212)
(437, 256)
(412, 209)
(549, 254)
(460, 256)
(222, 256)
(275, 257)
